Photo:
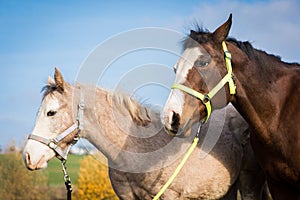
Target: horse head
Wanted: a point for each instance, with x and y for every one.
(55, 126)
(201, 74)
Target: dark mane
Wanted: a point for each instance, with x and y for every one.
(247, 47)
(202, 35)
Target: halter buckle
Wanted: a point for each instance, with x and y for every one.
(227, 55)
(52, 145)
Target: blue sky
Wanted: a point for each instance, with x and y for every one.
(35, 36)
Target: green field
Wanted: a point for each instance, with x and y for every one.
(55, 174)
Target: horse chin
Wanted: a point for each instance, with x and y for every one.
(42, 165)
(169, 132)
(185, 131)
(182, 132)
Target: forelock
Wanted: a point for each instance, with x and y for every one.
(50, 89)
(198, 36)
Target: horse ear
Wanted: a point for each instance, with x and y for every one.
(59, 81)
(222, 32)
(50, 81)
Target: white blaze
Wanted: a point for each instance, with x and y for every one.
(175, 100)
(43, 123)
(185, 63)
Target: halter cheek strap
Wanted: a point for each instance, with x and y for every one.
(206, 98)
(229, 75)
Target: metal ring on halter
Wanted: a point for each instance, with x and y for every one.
(227, 55)
(206, 98)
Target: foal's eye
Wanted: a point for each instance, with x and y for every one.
(51, 113)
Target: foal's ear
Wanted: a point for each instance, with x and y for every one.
(59, 81)
(222, 32)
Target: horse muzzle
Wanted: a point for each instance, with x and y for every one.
(42, 163)
(174, 127)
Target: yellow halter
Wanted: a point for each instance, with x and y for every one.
(206, 98)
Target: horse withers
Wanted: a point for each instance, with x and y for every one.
(215, 70)
(141, 156)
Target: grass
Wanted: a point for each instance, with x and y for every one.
(55, 173)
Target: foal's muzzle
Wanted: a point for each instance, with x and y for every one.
(31, 166)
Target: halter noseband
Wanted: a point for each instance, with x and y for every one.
(53, 143)
(206, 98)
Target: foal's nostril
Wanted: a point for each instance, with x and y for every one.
(27, 158)
(28, 162)
(175, 122)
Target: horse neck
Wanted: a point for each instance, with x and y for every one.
(113, 130)
(259, 78)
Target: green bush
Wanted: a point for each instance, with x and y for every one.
(16, 182)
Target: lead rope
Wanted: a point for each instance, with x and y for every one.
(181, 164)
(68, 184)
(67, 180)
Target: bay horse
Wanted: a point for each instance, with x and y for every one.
(141, 156)
(215, 70)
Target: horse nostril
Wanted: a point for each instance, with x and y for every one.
(175, 122)
(28, 162)
(27, 158)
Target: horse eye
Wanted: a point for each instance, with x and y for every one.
(51, 113)
(201, 63)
